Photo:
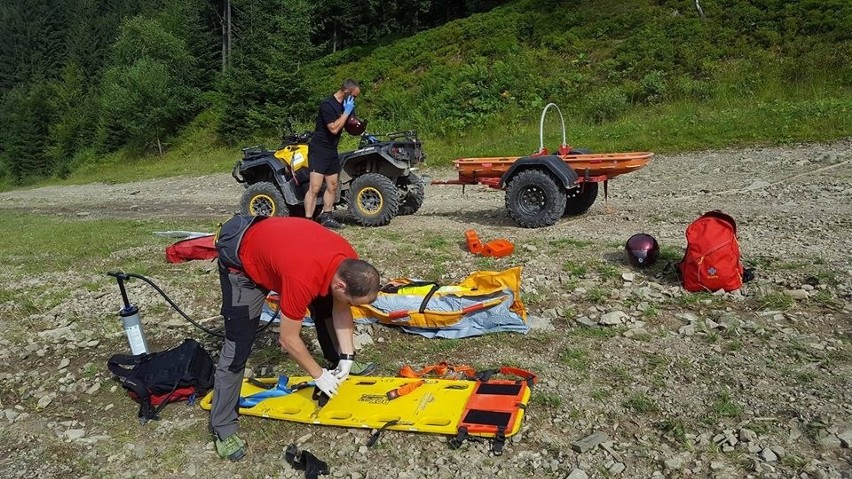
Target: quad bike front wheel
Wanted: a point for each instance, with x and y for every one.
(373, 199)
(534, 198)
(263, 198)
(411, 193)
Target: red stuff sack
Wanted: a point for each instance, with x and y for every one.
(712, 260)
(192, 248)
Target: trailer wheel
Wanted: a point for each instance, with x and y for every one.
(535, 199)
(373, 199)
(581, 198)
(263, 198)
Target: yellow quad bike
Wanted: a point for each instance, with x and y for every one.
(377, 181)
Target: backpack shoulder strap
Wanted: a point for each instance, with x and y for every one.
(122, 364)
(118, 365)
(229, 237)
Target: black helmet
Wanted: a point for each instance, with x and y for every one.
(642, 250)
(354, 126)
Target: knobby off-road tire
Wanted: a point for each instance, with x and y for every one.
(411, 193)
(534, 198)
(263, 198)
(373, 199)
(581, 198)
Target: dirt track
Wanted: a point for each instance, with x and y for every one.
(789, 201)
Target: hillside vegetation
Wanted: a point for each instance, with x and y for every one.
(649, 75)
(628, 75)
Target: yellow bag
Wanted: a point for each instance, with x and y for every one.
(484, 302)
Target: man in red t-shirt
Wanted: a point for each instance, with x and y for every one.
(311, 268)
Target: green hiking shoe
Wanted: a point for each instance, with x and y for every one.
(232, 447)
(362, 369)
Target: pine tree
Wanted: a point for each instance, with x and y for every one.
(33, 41)
(26, 114)
(196, 23)
(148, 91)
(76, 118)
(263, 85)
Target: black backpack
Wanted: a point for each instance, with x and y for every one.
(156, 379)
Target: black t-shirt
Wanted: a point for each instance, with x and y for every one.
(324, 143)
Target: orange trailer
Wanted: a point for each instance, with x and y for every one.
(542, 187)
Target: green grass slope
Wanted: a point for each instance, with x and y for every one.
(627, 75)
(649, 75)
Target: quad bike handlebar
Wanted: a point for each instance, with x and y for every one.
(371, 138)
(294, 138)
(407, 134)
(255, 150)
(289, 136)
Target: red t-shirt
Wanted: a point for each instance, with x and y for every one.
(295, 257)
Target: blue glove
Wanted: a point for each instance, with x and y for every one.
(348, 104)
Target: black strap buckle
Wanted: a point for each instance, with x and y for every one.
(305, 461)
(320, 397)
(374, 437)
(457, 441)
(498, 442)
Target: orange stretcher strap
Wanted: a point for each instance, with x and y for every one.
(440, 369)
(404, 313)
(527, 376)
(443, 369)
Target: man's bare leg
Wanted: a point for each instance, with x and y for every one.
(330, 195)
(315, 184)
(326, 219)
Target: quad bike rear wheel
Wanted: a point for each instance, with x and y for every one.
(373, 199)
(534, 198)
(581, 198)
(263, 198)
(411, 193)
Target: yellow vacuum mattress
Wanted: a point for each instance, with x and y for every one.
(436, 406)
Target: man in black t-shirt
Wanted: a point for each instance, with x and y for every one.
(322, 150)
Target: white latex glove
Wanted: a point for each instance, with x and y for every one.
(341, 372)
(327, 383)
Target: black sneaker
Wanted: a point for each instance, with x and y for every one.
(328, 221)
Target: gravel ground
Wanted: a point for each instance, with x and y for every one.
(752, 384)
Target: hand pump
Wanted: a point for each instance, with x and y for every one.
(130, 318)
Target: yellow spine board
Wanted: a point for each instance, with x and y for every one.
(361, 402)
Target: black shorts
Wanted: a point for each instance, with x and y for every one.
(324, 164)
(321, 312)
(321, 307)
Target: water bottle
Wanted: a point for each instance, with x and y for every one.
(133, 329)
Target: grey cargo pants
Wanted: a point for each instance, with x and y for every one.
(242, 304)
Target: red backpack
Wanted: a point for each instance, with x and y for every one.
(712, 260)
